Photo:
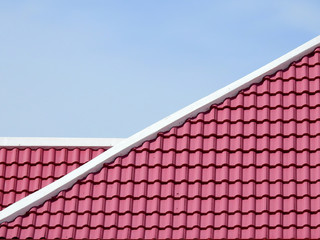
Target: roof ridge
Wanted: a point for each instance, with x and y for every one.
(37, 198)
(58, 142)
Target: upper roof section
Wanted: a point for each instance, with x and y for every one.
(151, 132)
(246, 168)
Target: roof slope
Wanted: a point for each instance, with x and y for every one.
(24, 170)
(247, 168)
(29, 164)
(35, 199)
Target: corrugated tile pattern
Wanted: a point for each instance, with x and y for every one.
(25, 170)
(248, 168)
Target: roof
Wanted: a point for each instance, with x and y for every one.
(245, 167)
(35, 142)
(28, 164)
(24, 170)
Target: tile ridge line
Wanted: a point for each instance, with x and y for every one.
(58, 142)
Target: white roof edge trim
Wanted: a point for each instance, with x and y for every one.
(58, 142)
(37, 198)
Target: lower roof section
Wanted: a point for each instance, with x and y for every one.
(29, 164)
(24, 170)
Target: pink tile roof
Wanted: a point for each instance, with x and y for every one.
(247, 168)
(24, 170)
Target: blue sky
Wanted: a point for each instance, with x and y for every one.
(112, 68)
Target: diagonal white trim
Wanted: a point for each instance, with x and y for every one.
(58, 142)
(22, 206)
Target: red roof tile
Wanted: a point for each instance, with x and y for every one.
(247, 168)
(25, 170)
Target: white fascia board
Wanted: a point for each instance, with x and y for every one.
(22, 206)
(58, 142)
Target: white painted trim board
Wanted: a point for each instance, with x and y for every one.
(58, 142)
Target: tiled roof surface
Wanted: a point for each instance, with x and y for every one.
(248, 168)
(25, 170)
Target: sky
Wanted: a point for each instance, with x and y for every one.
(108, 69)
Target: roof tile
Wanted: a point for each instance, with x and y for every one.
(247, 168)
(24, 170)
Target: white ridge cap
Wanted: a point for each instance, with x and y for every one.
(22, 206)
(58, 142)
